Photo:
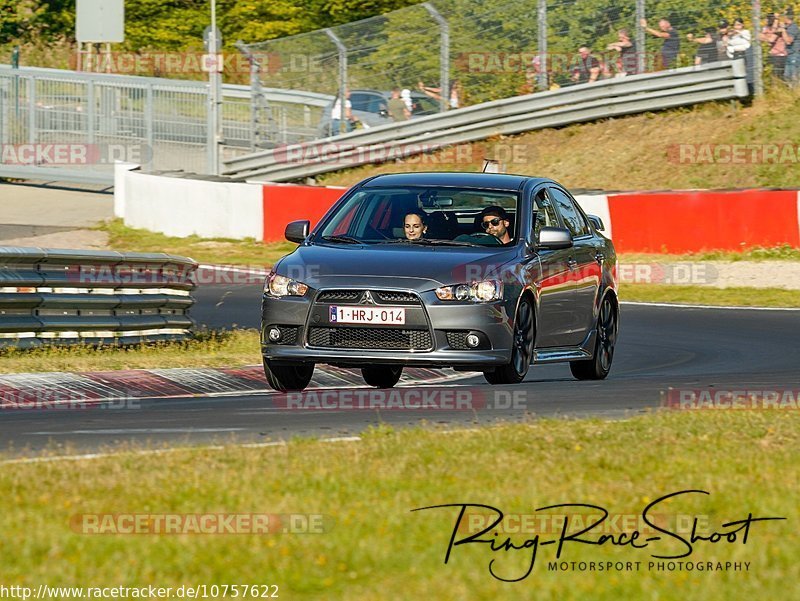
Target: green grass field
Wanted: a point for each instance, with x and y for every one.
(367, 542)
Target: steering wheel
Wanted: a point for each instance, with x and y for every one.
(482, 238)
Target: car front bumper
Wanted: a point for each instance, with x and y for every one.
(445, 323)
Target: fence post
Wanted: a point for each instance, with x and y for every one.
(444, 56)
(758, 65)
(543, 82)
(90, 110)
(342, 49)
(32, 109)
(148, 122)
(641, 41)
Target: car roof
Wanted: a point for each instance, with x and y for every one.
(493, 181)
(387, 93)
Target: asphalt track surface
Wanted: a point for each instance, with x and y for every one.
(659, 347)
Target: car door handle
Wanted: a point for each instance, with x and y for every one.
(599, 257)
(573, 264)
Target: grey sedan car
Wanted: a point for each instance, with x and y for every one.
(473, 271)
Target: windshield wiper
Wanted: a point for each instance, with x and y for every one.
(429, 242)
(345, 239)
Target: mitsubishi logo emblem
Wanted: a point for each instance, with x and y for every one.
(366, 299)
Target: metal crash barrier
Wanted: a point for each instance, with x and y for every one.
(93, 297)
(576, 104)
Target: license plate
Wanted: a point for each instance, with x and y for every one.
(370, 315)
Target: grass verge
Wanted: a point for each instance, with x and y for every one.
(222, 251)
(758, 253)
(208, 349)
(371, 541)
(706, 295)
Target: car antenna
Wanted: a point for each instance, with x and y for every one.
(491, 166)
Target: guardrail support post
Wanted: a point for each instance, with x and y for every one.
(641, 40)
(342, 77)
(543, 82)
(758, 65)
(444, 56)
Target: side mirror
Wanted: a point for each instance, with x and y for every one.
(297, 231)
(597, 223)
(554, 238)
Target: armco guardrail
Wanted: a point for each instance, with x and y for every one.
(74, 296)
(586, 102)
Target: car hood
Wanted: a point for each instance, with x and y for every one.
(418, 268)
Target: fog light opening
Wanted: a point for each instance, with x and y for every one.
(473, 341)
(274, 334)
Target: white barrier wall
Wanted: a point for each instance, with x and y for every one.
(182, 207)
(597, 204)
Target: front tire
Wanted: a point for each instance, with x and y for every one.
(597, 367)
(285, 378)
(521, 351)
(382, 376)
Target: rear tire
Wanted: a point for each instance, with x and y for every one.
(285, 378)
(521, 351)
(382, 376)
(599, 365)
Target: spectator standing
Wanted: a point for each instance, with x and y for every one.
(397, 108)
(738, 41)
(626, 62)
(672, 41)
(708, 46)
(405, 95)
(336, 114)
(587, 68)
(790, 34)
(777, 45)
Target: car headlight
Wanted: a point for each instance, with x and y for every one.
(280, 285)
(482, 292)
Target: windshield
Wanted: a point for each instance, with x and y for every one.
(425, 216)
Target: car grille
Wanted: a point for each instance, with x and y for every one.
(329, 296)
(457, 340)
(370, 338)
(288, 334)
(382, 297)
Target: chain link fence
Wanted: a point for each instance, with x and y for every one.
(446, 54)
(434, 56)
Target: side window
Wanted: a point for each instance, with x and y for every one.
(545, 213)
(573, 220)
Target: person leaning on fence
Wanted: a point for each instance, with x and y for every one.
(707, 49)
(791, 33)
(737, 41)
(587, 69)
(672, 41)
(454, 100)
(626, 62)
(777, 45)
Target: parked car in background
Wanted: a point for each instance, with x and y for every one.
(370, 108)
